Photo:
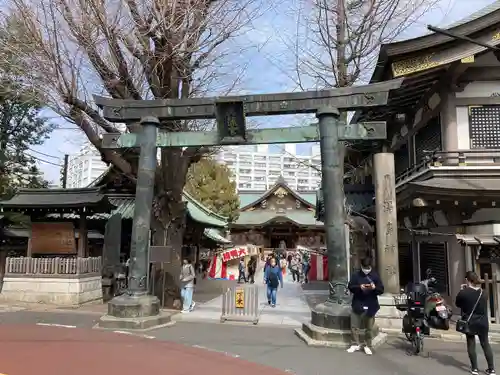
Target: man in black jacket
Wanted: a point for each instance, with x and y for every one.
(365, 286)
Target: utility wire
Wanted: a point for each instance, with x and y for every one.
(40, 159)
(46, 155)
(45, 161)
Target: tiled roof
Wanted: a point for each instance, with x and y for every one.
(261, 217)
(474, 16)
(125, 206)
(248, 197)
(47, 198)
(197, 211)
(216, 236)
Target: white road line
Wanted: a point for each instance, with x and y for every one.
(55, 325)
(135, 334)
(217, 351)
(124, 332)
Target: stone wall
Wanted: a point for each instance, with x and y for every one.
(63, 291)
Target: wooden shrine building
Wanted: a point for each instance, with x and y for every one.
(443, 128)
(281, 218)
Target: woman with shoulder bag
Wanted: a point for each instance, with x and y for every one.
(474, 321)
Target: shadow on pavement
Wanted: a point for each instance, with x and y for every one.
(448, 360)
(433, 353)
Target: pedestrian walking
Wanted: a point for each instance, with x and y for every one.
(365, 286)
(252, 268)
(474, 322)
(241, 271)
(283, 264)
(295, 268)
(306, 267)
(273, 277)
(187, 278)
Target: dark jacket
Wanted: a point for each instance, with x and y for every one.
(276, 270)
(365, 301)
(465, 301)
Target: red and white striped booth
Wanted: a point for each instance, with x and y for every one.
(218, 268)
(225, 265)
(319, 268)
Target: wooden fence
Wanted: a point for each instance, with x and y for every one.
(491, 291)
(53, 266)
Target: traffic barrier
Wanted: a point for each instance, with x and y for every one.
(241, 303)
(319, 268)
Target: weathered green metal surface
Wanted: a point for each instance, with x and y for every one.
(347, 98)
(366, 130)
(231, 124)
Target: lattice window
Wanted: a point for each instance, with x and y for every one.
(401, 159)
(428, 139)
(484, 127)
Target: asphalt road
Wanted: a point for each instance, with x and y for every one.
(280, 348)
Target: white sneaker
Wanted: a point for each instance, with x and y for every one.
(192, 306)
(185, 311)
(367, 350)
(353, 348)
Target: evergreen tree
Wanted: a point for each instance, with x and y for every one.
(21, 127)
(210, 183)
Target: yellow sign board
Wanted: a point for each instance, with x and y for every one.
(239, 298)
(467, 60)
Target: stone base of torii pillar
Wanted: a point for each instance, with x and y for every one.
(331, 326)
(134, 313)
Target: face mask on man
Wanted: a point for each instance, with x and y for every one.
(366, 271)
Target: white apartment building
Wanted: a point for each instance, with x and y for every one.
(253, 167)
(257, 168)
(84, 167)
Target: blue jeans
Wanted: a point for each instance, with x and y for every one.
(271, 294)
(187, 297)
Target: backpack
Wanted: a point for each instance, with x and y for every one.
(273, 279)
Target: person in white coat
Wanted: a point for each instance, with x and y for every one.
(187, 277)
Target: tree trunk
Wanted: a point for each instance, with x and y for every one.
(168, 230)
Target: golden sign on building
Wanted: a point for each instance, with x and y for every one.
(444, 56)
(413, 65)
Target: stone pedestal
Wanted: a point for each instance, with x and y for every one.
(389, 319)
(134, 312)
(331, 326)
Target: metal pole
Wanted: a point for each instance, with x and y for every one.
(137, 282)
(462, 37)
(332, 183)
(65, 171)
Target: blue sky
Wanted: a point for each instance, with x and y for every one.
(263, 73)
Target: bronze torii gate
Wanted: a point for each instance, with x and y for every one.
(136, 309)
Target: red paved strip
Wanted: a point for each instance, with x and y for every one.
(38, 350)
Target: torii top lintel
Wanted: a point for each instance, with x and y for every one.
(345, 98)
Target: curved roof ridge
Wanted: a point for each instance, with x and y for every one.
(279, 182)
(477, 14)
(203, 207)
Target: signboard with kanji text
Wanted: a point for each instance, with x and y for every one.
(234, 253)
